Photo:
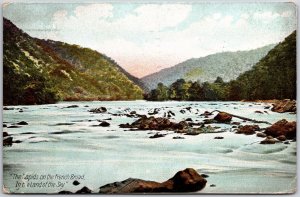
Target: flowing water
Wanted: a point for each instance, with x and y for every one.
(60, 141)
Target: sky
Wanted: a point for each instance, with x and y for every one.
(145, 38)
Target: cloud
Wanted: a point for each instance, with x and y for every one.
(94, 11)
(157, 17)
(150, 36)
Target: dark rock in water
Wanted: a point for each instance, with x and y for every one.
(4, 125)
(14, 126)
(8, 108)
(269, 140)
(258, 112)
(212, 185)
(65, 192)
(282, 127)
(219, 137)
(261, 135)
(27, 133)
(188, 119)
(104, 124)
(204, 175)
(235, 123)
(5, 134)
(127, 125)
(107, 119)
(155, 111)
(133, 112)
(193, 132)
(178, 137)
(267, 107)
(98, 110)
(286, 105)
(206, 113)
(152, 123)
(187, 180)
(188, 108)
(130, 115)
(86, 106)
(209, 121)
(281, 138)
(170, 114)
(76, 183)
(223, 117)
(22, 123)
(72, 106)
(17, 141)
(64, 124)
(84, 190)
(21, 110)
(182, 126)
(157, 135)
(7, 141)
(64, 132)
(182, 111)
(248, 129)
(287, 142)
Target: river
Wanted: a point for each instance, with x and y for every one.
(60, 141)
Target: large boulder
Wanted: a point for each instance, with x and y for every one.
(248, 129)
(286, 105)
(187, 180)
(223, 117)
(84, 190)
(282, 127)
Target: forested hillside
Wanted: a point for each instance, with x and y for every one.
(273, 77)
(44, 71)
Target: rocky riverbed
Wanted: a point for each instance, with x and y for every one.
(113, 141)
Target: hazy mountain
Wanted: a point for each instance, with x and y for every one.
(228, 65)
(43, 71)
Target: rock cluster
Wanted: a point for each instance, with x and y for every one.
(152, 123)
(248, 129)
(282, 127)
(98, 110)
(285, 105)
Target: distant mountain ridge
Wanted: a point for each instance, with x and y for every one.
(39, 71)
(227, 65)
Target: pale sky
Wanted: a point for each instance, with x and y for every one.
(145, 38)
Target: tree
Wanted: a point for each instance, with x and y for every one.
(195, 92)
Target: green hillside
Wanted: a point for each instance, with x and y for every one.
(274, 76)
(45, 71)
(228, 65)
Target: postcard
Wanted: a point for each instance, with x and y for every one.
(149, 98)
